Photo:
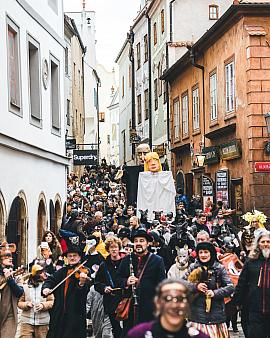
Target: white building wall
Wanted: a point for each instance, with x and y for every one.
(85, 22)
(114, 114)
(124, 107)
(32, 158)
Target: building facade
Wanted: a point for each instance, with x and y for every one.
(113, 110)
(32, 129)
(219, 94)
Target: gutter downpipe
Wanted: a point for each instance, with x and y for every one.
(149, 81)
(167, 67)
(194, 64)
(132, 60)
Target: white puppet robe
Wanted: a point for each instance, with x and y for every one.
(156, 192)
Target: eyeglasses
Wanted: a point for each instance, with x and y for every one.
(176, 299)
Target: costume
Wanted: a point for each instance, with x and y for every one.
(68, 314)
(156, 192)
(153, 274)
(155, 330)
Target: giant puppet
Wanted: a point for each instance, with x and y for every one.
(130, 174)
(156, 189)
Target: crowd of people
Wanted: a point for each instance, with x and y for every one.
(182, 275)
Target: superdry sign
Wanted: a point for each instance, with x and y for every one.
(262, 167)
(85, 157)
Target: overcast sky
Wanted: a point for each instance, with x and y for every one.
(113, 19)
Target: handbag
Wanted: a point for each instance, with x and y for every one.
(123, 308)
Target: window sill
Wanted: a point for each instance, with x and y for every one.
(196, 132)
(213, 123)
(56, 131)
(36, 122)
(229, 116)
(185, 137)
(16, 110)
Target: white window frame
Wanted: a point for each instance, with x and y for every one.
(213, 12)
(34, 88)
(176, 118)
(184, 108)
(196, 108)
(14, 107)
(55, 95)
(230, 86)
(213, 96)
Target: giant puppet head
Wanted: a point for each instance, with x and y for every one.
(142, 150)
(152, 162)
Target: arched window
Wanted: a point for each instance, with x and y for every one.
(3, 217)
(41, 218)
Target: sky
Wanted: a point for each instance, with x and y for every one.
(113, 20)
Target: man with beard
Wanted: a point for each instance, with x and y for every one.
(149, 271)
(253, 289)
(172, 304)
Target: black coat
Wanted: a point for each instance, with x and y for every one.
(247, 292)
(67, 320)
(106, 276)
(153, 274)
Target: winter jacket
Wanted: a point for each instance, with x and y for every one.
(29, 315)
(250, 290)
(222, 286)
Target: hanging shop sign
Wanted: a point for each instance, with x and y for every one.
(160, 149)
(85, 157)
(231, 150)
(134, 137)
(237, 195)
(222, 186)
(262, 167)
(207, 190)
(70, 143)
(211, 155)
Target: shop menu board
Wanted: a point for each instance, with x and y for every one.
(222, 186)
(207, 190)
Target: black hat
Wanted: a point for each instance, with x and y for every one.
(73, 249)
(207, 246)
(124, 232)
(142, 233)
(155, 235)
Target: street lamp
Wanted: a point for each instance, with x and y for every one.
(267, 121)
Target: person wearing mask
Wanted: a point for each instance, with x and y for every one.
(172, 302)
(35, 315)
(11, 291)
(210, 283)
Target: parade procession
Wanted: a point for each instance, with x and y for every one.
(135, 201)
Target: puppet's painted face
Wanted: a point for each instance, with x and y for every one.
(182, 256)
(153, 165)
(142, 150)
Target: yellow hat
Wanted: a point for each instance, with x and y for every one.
(35, 269)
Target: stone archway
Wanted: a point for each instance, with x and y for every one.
(3, 217)
(41, 219)
(17, 228)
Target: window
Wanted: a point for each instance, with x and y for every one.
(108, 139)
(124, 145)
(79, 81)
(139, 108)
(13, 67)
(101, 116)
(213, 12)
(34, 80)
(66, 60)
(68, 112)
(162, 19)
(74, 74)
(176, 118)
(145, 41)
(230, 86)
(213, 96)
(95, 98)
(55, 108)
(123, 86)
(146, 104)
(164, 92)
(185, 114)
(160, 83)
(155, 33)
(156, 93)
(138, 49)
(195, 109)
